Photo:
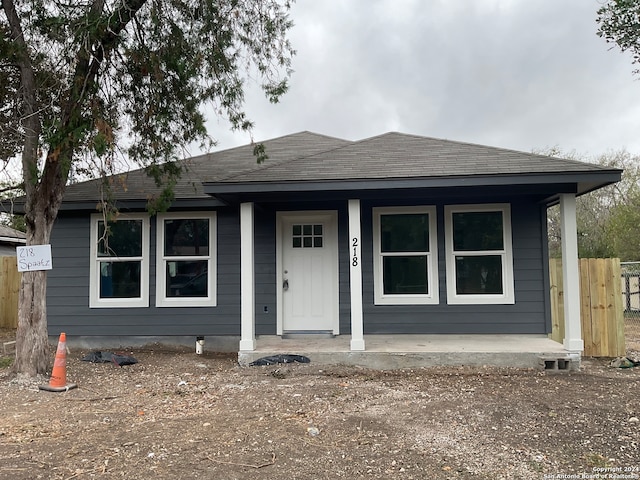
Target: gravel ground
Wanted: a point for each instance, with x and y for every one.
(180, 415)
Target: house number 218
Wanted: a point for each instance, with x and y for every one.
(354, 245)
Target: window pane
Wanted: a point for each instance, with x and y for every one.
(307, 236)
(119, 279)
(187, 279)
(404, 232)
(477, 275)
(476, 231)
(124, 239)
(405, 275)
(189, 236)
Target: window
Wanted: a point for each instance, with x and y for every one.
(119, 269)
(185, 268)
(479, 254)
(307, 236)
(405, 255)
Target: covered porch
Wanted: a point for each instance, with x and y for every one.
(387, 352)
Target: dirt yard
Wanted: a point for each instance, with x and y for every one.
(177, 415)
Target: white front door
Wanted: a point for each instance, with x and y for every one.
(308, 272)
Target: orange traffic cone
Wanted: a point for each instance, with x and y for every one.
(58, 381)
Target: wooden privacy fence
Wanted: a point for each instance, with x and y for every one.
(9, 287)
(601, 306)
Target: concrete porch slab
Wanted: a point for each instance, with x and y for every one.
(388, 352)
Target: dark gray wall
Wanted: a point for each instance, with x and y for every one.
(265, 260)
(68, 288)
(527, 315)
(68, 292)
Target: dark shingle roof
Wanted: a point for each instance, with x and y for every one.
(397, 155)
(211, 167)
(307, 158)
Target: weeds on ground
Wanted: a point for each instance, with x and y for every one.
(6, 362)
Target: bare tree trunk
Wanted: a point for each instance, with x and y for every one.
(44, 192)
(31, 337)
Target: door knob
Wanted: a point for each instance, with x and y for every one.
(285, 284)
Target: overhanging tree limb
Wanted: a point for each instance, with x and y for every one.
(29, 117)
(103, 76)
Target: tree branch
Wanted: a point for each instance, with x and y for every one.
(12, 188)
(88, 62)
(31, 118)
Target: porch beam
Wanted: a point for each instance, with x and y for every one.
(355, 276)
(569, 232)
(247, 279)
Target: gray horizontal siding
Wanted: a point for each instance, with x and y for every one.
(68, 292)
(266, 269)
(527, 315)
(68, 289)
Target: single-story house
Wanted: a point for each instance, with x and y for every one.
(392, 236)
(9, 240)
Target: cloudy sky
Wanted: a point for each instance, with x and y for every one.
(517, 74)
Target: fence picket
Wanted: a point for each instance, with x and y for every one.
(601, 306)
(9, 289)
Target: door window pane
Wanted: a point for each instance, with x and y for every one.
(307, 236)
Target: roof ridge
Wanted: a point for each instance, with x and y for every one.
(262, 167)
(245, 145)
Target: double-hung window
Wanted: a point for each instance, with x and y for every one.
(405, 255)
(185, 270)
(119, 270)
(479, 254)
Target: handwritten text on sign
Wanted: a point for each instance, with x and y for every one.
(34, 257)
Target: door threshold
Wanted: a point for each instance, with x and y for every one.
(311, 334)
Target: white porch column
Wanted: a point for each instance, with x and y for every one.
(571, 276)
(355, 276)
(247, 279)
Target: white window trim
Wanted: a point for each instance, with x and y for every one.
(94, 267)
(508, 295)
(161, 285)
(433, 296)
